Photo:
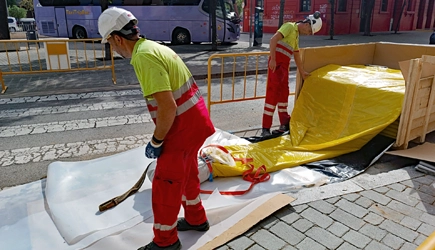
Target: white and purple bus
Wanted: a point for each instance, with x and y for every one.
(178, 21)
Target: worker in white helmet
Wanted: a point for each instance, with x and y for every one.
(283, 45)
(182, 124)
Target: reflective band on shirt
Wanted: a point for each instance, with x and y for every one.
(178, 94)
(164, 227)
(191, 202)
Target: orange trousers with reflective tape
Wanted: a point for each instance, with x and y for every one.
(177, 174)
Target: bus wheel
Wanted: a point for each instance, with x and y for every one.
(180, 36)
(79, 33)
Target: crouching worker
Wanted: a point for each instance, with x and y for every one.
(182, 124)
(283, 44)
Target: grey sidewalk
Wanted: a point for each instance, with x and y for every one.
(195, 57)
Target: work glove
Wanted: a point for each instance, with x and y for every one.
(153, 150)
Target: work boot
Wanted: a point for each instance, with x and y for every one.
(265, 132)
(183, 225)
(281, 130)
(154, 246)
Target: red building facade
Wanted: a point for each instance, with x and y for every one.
(387, 15)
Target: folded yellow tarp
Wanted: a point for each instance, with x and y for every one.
(339, 109)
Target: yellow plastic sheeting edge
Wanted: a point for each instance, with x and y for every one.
(339, 109)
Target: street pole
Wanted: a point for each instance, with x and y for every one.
(281, 13)
(4, 26)
(251, 14)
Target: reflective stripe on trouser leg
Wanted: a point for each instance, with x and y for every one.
(194, 212)
(284, 117)
(271, 99)
(166, 195)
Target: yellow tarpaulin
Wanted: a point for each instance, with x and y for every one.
(339, 109)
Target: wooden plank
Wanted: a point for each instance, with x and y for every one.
(408, 103)
(429, 106)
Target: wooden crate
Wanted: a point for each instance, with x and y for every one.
(418, 112)
(417, 65)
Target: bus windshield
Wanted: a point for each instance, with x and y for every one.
(177, 21)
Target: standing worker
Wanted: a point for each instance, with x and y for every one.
(182, 124)
(283, 44)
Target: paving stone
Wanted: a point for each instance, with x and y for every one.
(288, 215)
(399, 230)
(356, 239)
(302, 225)
(310, 244)
(411, 184)
(426, 229)
(373, 219)
(351, 197)
(364, 202)
(287, 233)
(426, 180)
(410, 222)
(382, 190)
(387, 213)
(300, 208)
(419, 240)
(253, 230)
(333, 200)
(397, 186)
(428, 218)
(288, 247)
(374, 245)
(269, 222)
(347, 246)
(421, 196)
(425, 207)
(338, 229)
(347, 219)
(408, 246)
(351, 208)
(256, 247)
(241, 243)
(376, 197)
(402, 197)
(393, 241)
(373, 232)
(267, 240)
(317, 218)
(324, 237)
(405, 209)
(430, 190)
(322, 206)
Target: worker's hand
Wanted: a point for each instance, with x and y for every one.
(272, 65)
(153, 150)
(304, 74)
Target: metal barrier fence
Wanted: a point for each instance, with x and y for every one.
(235, 77)
(53, 55)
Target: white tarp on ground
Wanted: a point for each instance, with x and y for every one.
(62, 213)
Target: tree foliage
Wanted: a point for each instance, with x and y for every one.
(27, 4)
(17, 12)
(11, 3)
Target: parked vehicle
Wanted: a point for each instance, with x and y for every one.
(178, 21)
(12, 23)
(27, 24)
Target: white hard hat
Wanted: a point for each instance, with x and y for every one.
(315, 21)
(113, 19)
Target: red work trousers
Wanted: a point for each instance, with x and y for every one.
(176, 179)
(277, 93)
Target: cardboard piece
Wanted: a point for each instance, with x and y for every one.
(422, 152)
(250, 220)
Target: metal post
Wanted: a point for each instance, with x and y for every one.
(251, 14)
(4, 87)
